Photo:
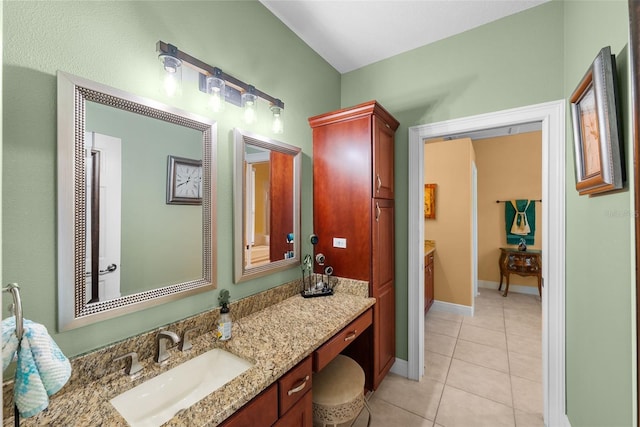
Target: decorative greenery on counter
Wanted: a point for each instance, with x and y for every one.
(223, 298)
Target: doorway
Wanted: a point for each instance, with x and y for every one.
(551, 116)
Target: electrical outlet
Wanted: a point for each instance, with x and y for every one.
(339, 243)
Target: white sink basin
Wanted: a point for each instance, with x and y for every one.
(157, 400)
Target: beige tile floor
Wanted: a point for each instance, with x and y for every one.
(484, 370)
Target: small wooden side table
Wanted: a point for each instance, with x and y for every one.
(522, 263)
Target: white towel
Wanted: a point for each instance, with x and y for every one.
(42, 368)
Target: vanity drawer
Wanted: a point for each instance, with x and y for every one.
(326, 353)
(294, 384)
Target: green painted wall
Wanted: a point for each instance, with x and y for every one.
(600, 292)
(148, 222)
(113, 43)
(505, 64)
(535, 56)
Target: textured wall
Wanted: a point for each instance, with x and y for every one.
(600, 297)
(113, 43)
(505, 64)
(509, 167)
(448, 164)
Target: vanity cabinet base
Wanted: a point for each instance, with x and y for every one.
(261, 411)
(287, 403)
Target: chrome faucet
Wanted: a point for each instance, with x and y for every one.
(185, 344)
(134, 367)
(161, 341)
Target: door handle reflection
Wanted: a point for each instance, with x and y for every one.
(110, 269)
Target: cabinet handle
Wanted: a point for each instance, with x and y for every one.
(379, 181)
(351, 336)
(299, 387)
(377, 212)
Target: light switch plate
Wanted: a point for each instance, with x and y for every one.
(339, 242)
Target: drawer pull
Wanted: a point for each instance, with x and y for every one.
(301, 386)
(379, 181)
(351, 335)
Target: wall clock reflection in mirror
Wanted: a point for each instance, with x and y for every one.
(184, 181)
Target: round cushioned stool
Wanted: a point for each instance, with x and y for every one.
(338, 393)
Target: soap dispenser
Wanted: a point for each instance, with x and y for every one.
(224, 324)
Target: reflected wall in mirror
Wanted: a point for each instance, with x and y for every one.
(121, 246)
(266, 205)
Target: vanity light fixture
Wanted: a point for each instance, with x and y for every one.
(278, 120)
(216, 88)
(250, 105)
(218, 85)
(171, 72)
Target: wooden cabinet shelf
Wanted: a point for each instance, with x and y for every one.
(353, 182)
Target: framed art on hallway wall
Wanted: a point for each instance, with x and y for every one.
(430, 201)
(599, 166)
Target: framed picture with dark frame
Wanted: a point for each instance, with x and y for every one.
(599, 166)
(184, 181)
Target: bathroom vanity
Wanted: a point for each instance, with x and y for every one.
(289, 401)
(428, 277)
(285, 341)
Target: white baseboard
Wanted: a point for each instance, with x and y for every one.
(400, 367)
(567, 423)
(450, 307)
(520, 289)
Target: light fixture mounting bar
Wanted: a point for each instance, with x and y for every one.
(208, 70)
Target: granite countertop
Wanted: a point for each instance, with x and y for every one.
(429, 247)
(275, 339)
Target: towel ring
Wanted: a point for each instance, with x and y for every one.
(14, 290)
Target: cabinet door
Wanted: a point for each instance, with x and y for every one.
(428, 282)
(261, 411)
(281, 204)
(382, 288)
(300, 415)
(382, 159)
(342, 195)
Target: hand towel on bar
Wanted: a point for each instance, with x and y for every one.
(520, 224)
(42, 368)
(520, 221)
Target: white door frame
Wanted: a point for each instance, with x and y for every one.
(474, 233)
(552, 117)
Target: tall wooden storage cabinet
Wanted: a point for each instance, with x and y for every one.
(353, 193)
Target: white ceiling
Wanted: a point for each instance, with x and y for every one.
(350, 34)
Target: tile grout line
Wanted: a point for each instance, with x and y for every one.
(506, 341)
(435, 417)
(505, 306)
